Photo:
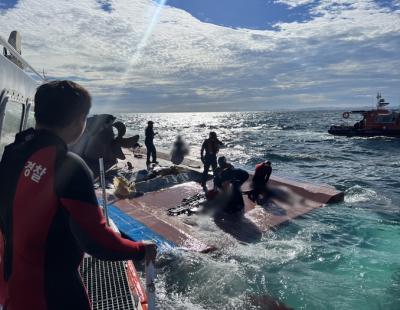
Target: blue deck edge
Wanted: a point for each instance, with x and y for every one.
(135, 230)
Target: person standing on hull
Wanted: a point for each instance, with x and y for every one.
(49, 215)
(149, 142)
(208, 155)
(260, 180)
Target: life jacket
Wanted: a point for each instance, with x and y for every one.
(261, 172)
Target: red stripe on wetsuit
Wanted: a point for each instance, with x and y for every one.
(33, 211)
(90, 219)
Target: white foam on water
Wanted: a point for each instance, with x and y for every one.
(357, 194)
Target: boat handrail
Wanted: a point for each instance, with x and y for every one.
(18, 56)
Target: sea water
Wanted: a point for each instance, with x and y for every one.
(342, 256)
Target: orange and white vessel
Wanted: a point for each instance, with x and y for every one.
(377, 122)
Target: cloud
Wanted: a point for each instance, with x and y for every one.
(345, 50)
(295, 3)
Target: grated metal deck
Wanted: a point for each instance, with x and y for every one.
(107, 285)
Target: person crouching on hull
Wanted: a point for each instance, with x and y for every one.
(49, 215)
(228, 180)
(260, 180)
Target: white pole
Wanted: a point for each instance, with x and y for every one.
(150, 286)
(103, 187)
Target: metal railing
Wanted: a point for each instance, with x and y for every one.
(150, 269)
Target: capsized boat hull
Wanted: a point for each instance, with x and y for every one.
(350, 131)
(146, 216)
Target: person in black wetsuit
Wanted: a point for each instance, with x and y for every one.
(223, 168)
(149, 142)
(208, 154)
(229, 179)
(49, 215)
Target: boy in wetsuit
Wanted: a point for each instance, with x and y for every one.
(208, 155)
(49, 215)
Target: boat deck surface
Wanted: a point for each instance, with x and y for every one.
(146, 217)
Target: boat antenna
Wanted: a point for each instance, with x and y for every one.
(44, 76)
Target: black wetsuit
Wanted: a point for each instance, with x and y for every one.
(236, 177)
(218, 174)
(211, 149)
(151, 149)
(49, 216)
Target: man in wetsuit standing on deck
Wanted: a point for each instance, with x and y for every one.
(149, 142)
(49, 215)
(208, 154)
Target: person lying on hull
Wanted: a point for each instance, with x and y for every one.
(49, 215)
(260, 180)
(228, 181)
(208, 155)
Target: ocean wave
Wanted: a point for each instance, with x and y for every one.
(358, 194)
(271, 251)
(299, 146)
(287, 157)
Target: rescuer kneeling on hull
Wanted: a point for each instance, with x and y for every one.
(260, 180)
(48, 209)
(229, 180)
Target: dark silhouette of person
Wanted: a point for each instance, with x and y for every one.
(223, 165)
(149, 142)
(179, 151)
(260, 179)
(208, 154)
(226, 174)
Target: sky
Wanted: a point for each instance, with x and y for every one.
(208, 55)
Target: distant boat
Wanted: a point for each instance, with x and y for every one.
(377, 122)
